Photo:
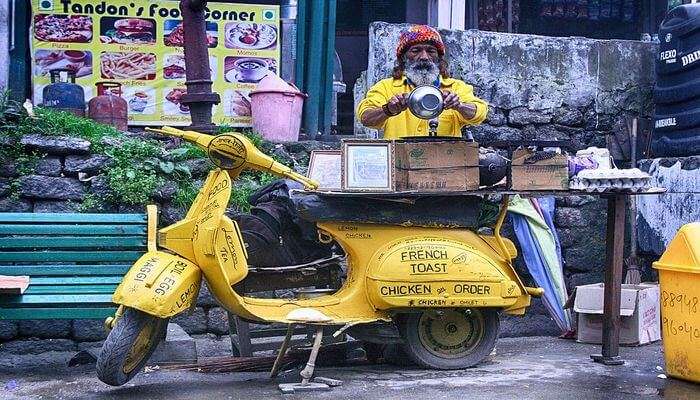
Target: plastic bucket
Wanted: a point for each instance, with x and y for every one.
(277, 113)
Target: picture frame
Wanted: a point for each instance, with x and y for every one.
(325, 167)
(367, 166)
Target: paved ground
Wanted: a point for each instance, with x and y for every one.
(522, 368)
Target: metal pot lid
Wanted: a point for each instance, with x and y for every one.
(425, 102)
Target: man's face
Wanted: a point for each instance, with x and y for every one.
(422, 52)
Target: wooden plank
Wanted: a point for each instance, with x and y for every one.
(70, 256)
(73, 218)
(57, 313)
(86, 230)
(76, 280)
(63, 270)
(69, 289)
(57, 299)
(48, 242)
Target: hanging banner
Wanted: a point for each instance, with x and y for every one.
(138, 43)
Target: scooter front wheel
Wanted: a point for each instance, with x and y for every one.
(449, 339)
(129, 346)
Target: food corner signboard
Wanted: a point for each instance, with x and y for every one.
(139, 43)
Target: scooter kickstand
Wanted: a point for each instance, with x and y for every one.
(307, 385)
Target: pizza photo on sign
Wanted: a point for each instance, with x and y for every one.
(132, 66)
(78, 61)
(175, 34)
(250, 36)
(127, 30)
(63, 28)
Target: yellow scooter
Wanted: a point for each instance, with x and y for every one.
(441, 288)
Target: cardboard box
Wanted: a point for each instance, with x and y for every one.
(640, 314)
(547, 174)
(436, 165)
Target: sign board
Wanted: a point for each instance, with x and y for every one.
(138, 43)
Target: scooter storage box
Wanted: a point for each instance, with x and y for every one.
(445, 165)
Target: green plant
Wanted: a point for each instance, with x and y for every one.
(91, 202)
(186, 193)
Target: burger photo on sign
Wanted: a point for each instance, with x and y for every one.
(127, 30)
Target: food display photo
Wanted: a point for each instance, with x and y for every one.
(172, 104)
(174, 66)
(236, 103)
(127, 30)
(63, 28)
(248, 69)
(175, 33)
(141, 99)
(250, 36)
(135, 66)
(76, 60)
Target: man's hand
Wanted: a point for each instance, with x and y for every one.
(451, 101)
(398, 103)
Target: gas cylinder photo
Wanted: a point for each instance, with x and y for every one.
(108, 107)
(63, 93)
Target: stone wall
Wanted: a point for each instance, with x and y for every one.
(543, 88)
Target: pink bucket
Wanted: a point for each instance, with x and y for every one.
(276, 107)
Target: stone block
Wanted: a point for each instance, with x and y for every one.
(9, 204)
(205, 297)
(584, 279)
(58, 145)
(99, 186)
(165, 192)
(568, 116)
(88, 330)
(50, 166)
(217, 321)
(170, 214)
(484, 133)
(46, 187)
(196, 322)
(45, 328)
(38, 346)
(575, 201)
(569, 217)
(496, 117)
(89, 164)
(8, 330)
(528, 325)
(8, 167)
(5, 186)
(522, 116)
(587, 255)
(55, 206)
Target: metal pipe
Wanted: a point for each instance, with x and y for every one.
(199, 97)
(329, 53)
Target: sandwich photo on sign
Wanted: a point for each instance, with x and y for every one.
(174, 67)
(127, 30)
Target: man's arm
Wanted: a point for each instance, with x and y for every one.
(376, 116)
(472, 109)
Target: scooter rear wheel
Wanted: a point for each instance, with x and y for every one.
(449, 339)
(129, 346)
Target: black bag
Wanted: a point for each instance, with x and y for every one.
(274, 234)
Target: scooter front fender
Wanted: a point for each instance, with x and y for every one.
(160, 284)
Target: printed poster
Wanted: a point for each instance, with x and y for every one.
(139, 43)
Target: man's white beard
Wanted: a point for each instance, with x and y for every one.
(421, 72)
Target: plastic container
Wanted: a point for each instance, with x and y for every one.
(108, 107)
(63, 93)
(276, 108)
(679, 278)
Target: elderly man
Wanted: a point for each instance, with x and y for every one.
(420, 60)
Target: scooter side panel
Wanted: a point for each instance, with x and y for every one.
(431, 271)
(160, 284)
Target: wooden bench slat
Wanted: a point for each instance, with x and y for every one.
(68, 289)
(56, 299)
(64, 270)
(57, 313)
(85, 230)
(75, 280)
(70, 256)
(71, 242)
(53, 218)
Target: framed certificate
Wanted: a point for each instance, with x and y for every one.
(367, 166)
(325, 166)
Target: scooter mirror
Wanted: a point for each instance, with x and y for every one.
(425, 102)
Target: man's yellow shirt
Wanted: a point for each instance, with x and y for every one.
(450, 122)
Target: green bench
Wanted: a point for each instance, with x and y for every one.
(74, 261)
